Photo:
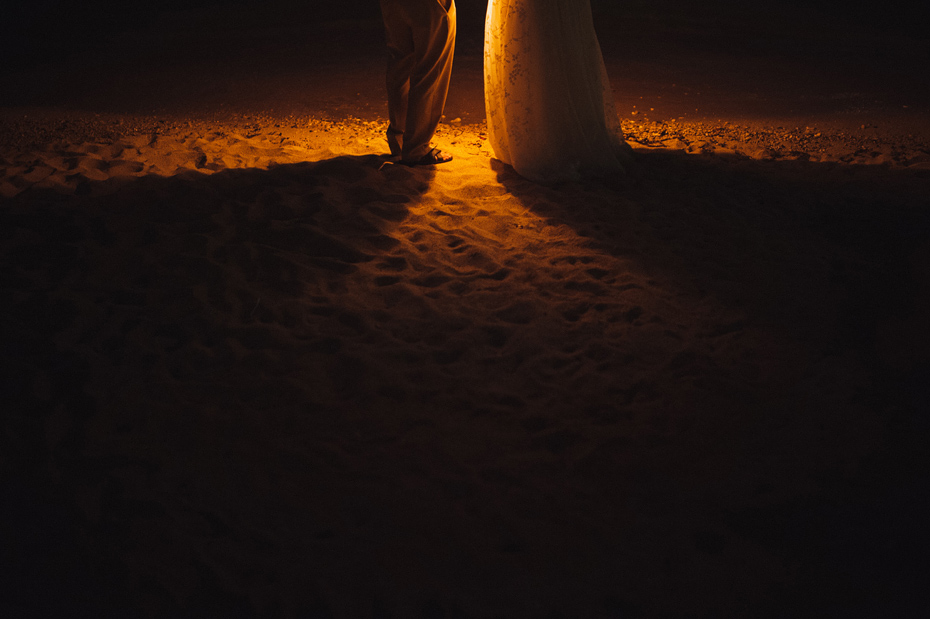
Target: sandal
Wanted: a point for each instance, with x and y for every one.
(433, 157)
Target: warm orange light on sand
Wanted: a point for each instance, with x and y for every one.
(166, 148)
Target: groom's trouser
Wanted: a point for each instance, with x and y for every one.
(421, 41)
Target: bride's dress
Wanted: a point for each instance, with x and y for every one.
(550, 109)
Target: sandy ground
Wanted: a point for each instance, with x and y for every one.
(253, 368)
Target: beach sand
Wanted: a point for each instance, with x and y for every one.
(254, 368)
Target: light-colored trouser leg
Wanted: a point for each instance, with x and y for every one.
(421, 41)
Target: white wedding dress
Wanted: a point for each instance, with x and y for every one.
(550, 109)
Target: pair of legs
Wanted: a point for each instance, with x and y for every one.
(421, 42)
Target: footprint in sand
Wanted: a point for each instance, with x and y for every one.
(123, 167)
(520, 313)
(383, 281)
(389, 212)
(38, 173)
(431, 281)
(394, 264)
(382, 242)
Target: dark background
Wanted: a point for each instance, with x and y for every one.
(90, 54)
(35, 30)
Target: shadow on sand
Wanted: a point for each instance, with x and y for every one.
(824, 251)
(836, 257)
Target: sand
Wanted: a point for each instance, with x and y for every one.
(254, 367)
